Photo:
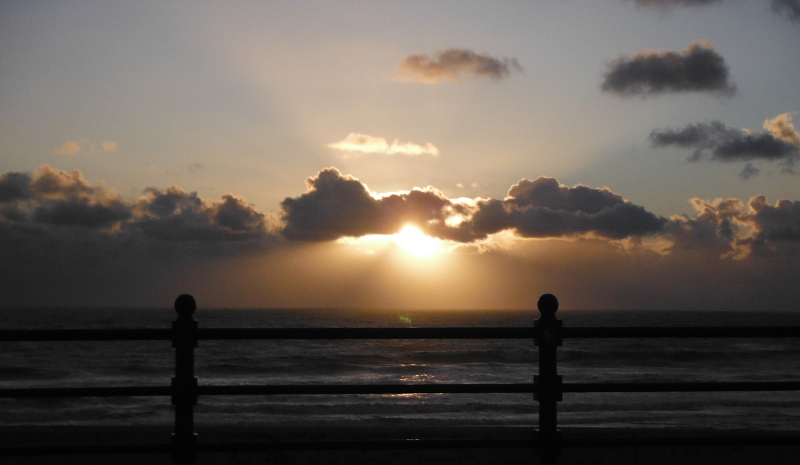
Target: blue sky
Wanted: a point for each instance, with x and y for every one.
(466, 99)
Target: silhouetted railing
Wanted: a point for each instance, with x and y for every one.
(547, 387)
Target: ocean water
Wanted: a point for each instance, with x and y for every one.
(150, 363)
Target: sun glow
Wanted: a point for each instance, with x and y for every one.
(414, 242)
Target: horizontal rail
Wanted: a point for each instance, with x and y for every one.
(400, 444)
(10, 335)
(371, 444)
(683, 387)
(280, 389)
(85, 449)
(268, 333)
(632, 332)
(366, 333)
(384, 444)
(123, 391)
(671, 441)
(430, 388)
(155, 334)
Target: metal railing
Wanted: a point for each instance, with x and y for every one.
(547, 387)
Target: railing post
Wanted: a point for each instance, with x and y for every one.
(184, 384)
(547, 336)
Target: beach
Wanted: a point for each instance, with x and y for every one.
(718, 454)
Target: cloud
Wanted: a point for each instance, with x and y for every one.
(729, 227)
(774, 225)
(173, 214)
(749, 171)
(781, 127)
(543, 208)
(787, 8)
(58, 207)
(713, 231)
(66, 240)
(697, 69)
(452, 63)
(73, 147)
(52, 199)
(14, 186)
(195, 167)
(338, 205)
(779, 142)
(363, 143)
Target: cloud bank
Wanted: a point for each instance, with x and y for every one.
(338, 205)
(453, 63)
(732, 228)
(699, 68)
(362, 143)
(66, 240)
(53, 202)
(54, 205)
(779, 142)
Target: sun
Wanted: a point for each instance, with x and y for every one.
(414, 242)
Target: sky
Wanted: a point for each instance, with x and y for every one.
(633, 154)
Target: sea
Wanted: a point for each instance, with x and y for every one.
(151, 363)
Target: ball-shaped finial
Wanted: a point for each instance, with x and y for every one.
(548, 304)
(185, 305)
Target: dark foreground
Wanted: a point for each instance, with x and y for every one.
(729, 454)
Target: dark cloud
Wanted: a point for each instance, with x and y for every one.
(337, 205)
(719, 142)
(451, 63)
(50, 198)
(731, 228)
(76, 213)
(787, 8)
(712, 231)
(236, 214)
(176, 215)
(14, 186)
(195, 167)
(776, 225)
(697, 69)
(749, 171)
(780, 142)
(66, 241)
(544, 208)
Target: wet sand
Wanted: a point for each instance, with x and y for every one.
(730, 454)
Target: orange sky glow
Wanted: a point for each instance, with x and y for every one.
(410, 155)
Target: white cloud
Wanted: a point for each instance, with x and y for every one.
(781, 127)
(73, 147)
(363, 143)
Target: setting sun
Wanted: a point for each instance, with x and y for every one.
(413, 241)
